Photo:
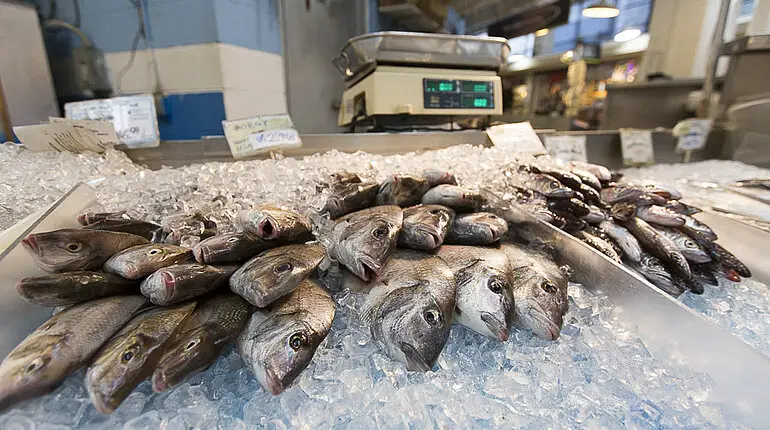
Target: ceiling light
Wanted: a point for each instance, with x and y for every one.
(628, 34)
(567, 56)
(542, 32)
(601, 9)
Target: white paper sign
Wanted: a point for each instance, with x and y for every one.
(519, 137)
(55, 137)
(251, 136)
(101, 132)
(567, 147)
(636, 146)
(134, 118)
(692, 134)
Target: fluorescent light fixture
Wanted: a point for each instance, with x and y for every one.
(516, 57)
(628, 34)
(601, 9)
(542, 32)
(567, 56)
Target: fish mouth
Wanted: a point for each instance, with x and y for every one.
(432, 238)
(495, 234)
(98, 398)
(273, 383)
(159, 382)
(268, 229)
(414, 360)
(369, 270)
(495, 326)
(169, 284)
(130, 271)
(200, 253)
(549, 330)
(30, 243)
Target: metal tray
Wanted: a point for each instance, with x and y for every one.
(362, 53)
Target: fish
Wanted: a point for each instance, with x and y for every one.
(566, 178)
(586, 177)
(548, 186)
(753, 183)
(61, 345)
(659, 215)
(181, 282)
(573, 206)
(437, 177)
(148, 230)
(200, 339)
(660, 246)
(623, 212)
(425, 226)
(693, 225)
(279, 341)
(478, 228)
(343, 178)
(273, 223)
(539, 291)
(621, 194)
(704, 273)
(590, 195)
(409, 308)
(728, 260)
(693, 285)
(458, 198)
(484, 300)
(602, 173)
(689, 248)
(401, 190)
(363, 241)
(275, 272)
(63, 289)
(194, 221)
(93, 217)
(623, 239)
(598, 243)
(349, 198)
(662, 190)
(651, 269)
(141, 260)
(70, 250)
(131, 355)
(595, 216)
(681, 208)
(231, 248)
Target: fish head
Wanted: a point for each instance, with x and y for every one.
(553, 188)
(270, 223)
(540, 298)
(692, 251)
(53, 249)
(221, 245)
(282, 346)
(366, 241)
(623, 211)
(620, 193)
(132, 263)
(437, 177)
(484, 300)
(32, 371)
(398, 189)
(193, 351)
(427, 225)
(484, 225)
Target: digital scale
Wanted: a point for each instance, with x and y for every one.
(403, 79)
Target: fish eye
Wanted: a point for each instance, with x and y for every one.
(432, 316)
(74, 246)
(548, 287)
(490, 216)
(33, 365)
(297, 340)
(196, 266)
(689, 244)
(435, 211)
(495, 285)
(127, 356)
(190, 345)
(285, 267)
(154, 251)
(379, 232)
(554, 185)
(233, 239)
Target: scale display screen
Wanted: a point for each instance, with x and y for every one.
(458, 94)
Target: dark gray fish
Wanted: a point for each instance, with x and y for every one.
(274, 223)
(598, 243)
(595, 216)
(574, 206)
(660, 246)
(148, 230)
(479, 228)
(728, 260)
(681, 208)
(547, 185)
(623, 212)
(484, 301)
(621, 194)
(623, 239)
(141, 260)
(705, 274)
(92, 217)
(200, 339)
(566, 178)
(590, 195)
(77, 249)
(231, 248)
(602, 173)
(586, 177)
(63, 289)
(539, 291)
(279, 342)
(349, 198)
(401, 190)
(651, 269)
(181, 282)
(693, 225)
(571, 224)
(130, 356)
(363, 241)
(458, 198)
(425, 226)
(275, 272)
(662, 190)
(61, 345)
(692, 285)
(689, 248)
(409, 308)
(660, 216)
(438, 177)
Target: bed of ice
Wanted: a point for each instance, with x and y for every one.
(597, 374)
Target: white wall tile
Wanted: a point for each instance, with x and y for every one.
(246, 103)
(248, 69)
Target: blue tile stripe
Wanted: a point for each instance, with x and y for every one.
(192, 116)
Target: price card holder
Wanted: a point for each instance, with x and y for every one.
(692, 134)
(519, 137)
(134, 118)
(567, 147)
(251, 136)
(636, 146)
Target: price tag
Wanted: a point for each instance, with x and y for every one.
(567, 147)
(134, 118)
(251, 136)
(636, 146)
(519, 137)
(55, 137)
(692, 134)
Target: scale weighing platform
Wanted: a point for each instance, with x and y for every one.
(416, 78)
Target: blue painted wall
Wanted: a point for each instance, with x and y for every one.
(191, 116)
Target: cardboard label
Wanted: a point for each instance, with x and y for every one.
(519, 137)
(101, 132)
(251, 136)
(636, 146)
(56, 137)
(692, 134)
(134, 118)
(567, 147)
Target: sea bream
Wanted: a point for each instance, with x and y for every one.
(231, 248)
(274, 223)
(401, 190)
(62, 289)
(69, 250)
(484, 301)
(438, 177)
(92, 217)
(458, 198)
(279, 341)
(61, 345)
(148, 230)
(425, 226)
(478, 228)
(349, 197)
(141, 260)
(180, 282)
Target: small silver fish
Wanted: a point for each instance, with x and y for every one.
(623, 239)
(139, 261)
(688, 247)
(438, 177)
(660, 216)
